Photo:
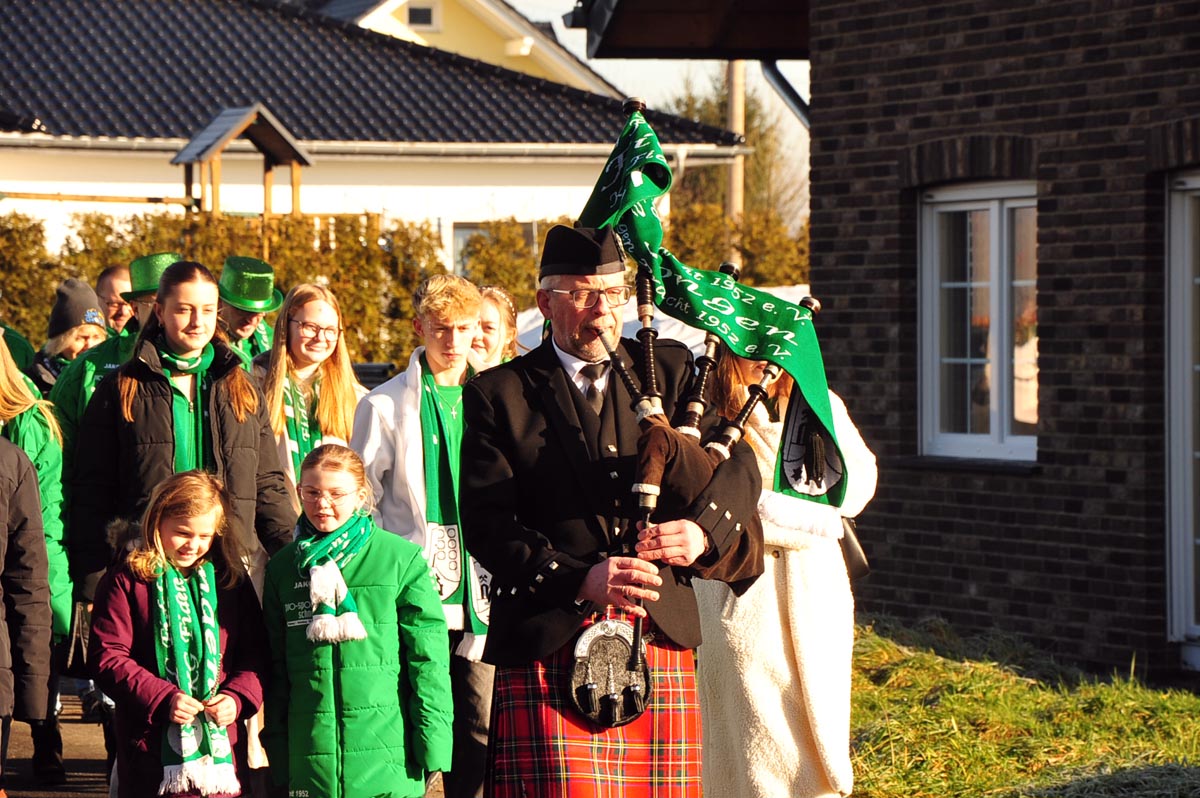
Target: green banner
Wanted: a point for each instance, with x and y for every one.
(754, 324)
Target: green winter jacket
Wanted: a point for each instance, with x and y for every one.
(30, 431)
(363, 717)
(78, 381)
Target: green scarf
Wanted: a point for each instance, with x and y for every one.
(193, 444)
(300, 416)
(441, 431)
(195, 755)
(254, 345)
(322, 556)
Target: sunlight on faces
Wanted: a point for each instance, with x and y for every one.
(116, 310)
(188, 317)
(493, 334)
(447, 339)
(185, 541)
(329, 497)
(310, 350)
(240, 323)
(577, 331)
(83, 338)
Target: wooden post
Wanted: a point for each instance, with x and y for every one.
(268, 187)
(295, 189)
(735, 201)
(187, 184)
(204, 186)
(216, 185)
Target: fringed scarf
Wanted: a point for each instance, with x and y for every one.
(187, 645)
(322, 556)
(300, 417)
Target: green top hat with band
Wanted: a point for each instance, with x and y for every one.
(249, 284)
(145, 271)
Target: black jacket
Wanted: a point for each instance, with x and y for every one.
(118, 463)
(542, 494)
(24, 591)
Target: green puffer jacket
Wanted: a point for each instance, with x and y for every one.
(363, 717)
(30, 431)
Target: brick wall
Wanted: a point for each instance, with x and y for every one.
(1093, 100)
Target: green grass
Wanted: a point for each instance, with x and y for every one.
(938, 715)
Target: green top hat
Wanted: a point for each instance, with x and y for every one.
(145, 271)
(249, 284)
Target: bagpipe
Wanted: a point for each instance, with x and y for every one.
(610, 679)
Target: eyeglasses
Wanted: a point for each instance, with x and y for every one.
(310, 330)
(114, 307)
(314, 496)
(587, 297)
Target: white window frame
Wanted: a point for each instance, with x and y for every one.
(435, 7)
(998, 199)
(1183, 250)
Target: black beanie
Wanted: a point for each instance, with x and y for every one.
(75, 303)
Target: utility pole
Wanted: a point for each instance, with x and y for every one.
(735, 200)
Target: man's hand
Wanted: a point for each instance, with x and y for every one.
(222, 709)
(672, 543)
(621, 581)
(183, 708)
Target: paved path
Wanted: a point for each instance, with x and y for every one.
(83, 754)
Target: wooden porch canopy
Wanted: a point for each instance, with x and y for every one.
(263, 130)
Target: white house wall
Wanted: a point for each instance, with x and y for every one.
(443, 192)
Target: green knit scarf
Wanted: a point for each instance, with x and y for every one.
(192, 444)
(321, 557)
(187, 646)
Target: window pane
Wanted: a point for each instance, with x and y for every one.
(965, 402)
(420, 17)
(1022, 247)
(964, 239)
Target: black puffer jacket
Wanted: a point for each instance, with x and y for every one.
(24, 590)
(118, 463)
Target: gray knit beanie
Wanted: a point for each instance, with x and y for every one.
(75, 303)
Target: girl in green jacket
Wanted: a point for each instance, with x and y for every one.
(28, 421)
(359, 699)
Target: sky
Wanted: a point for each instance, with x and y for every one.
(658, 81)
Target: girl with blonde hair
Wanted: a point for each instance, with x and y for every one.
(307, 377)
(28, 421)
(177, 639)
(496, 341)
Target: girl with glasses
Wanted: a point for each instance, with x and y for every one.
(359, 690)
(177, 641)
(307, 377)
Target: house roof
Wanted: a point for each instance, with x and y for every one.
(253, 122)
(163, 68)
(498, 10)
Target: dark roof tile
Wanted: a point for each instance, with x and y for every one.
(162, 68)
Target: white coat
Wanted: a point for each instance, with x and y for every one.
(774, 667)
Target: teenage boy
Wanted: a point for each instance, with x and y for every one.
(248, 293)
(408, 432)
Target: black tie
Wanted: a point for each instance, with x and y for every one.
(592, 372)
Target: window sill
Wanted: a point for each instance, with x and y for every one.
(974, 465)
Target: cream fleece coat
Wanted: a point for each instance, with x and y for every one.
(774, 668)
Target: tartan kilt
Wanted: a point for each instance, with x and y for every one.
(540, 747)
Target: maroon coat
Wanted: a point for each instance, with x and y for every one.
(122, 659)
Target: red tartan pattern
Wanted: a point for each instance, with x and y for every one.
(541, 748)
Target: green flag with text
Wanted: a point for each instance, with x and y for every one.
(754, 324)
